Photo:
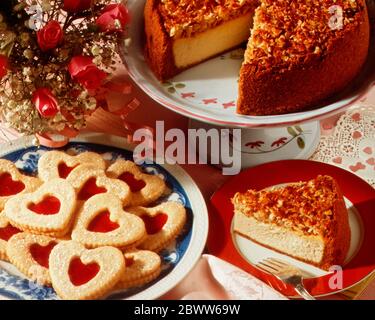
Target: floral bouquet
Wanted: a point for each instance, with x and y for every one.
(56, 58)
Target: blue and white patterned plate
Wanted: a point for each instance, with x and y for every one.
(178, 259)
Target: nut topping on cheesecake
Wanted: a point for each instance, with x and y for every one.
(186, 17)
(280, 39)
(305, 207)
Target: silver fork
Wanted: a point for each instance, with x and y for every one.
(286, 273)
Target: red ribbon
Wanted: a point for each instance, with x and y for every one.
(57, 140)
(60, 139)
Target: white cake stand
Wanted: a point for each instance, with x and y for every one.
(207, 94)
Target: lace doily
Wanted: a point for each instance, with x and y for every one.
(352, 144)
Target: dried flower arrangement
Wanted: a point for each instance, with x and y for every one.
(55, 59)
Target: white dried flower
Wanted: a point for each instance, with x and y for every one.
(98, 60)
(26, 71)
(96, 50)
(90, 103)
(11, 104)
(83, 95)
(128, 42)
(117, 24)
(28, 54)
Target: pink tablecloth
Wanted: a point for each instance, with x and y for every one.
(215, 278)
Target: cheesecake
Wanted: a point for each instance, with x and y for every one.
(307, 221)
(299, 53)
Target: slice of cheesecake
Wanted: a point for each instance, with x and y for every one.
(307, 220)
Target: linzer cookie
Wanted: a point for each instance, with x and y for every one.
(88, 181)
(57, 164)
(81, 274)
(30, 254)
(103, 222)
(12, 182)
(142, 266)
(163, 224)
(49, 210)
(145, 188)
(6, 232)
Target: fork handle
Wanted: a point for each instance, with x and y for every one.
(303, 292)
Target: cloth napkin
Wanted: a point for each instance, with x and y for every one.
(215, 279)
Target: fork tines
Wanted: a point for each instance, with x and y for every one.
(271, 265)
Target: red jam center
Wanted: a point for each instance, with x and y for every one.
(90, 189)
(102, 223)
(134, 184)
(80, 273)
(7, 232)
(41, 253)
(154, 224)
(48, 206)
(129, 261)
(64, 170)
(8, 187)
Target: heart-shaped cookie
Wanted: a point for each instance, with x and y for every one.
(145, 188)
(49, 210)
(163, 224)
(142, 266)
(12, 182)
(7, 231)
(103, 222)
(80, 274)
(30, 254)
(89, 181)
(58, 164)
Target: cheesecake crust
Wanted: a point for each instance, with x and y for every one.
(159, 47)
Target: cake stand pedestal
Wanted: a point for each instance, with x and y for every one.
(262, 145)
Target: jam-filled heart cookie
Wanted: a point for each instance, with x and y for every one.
(89, 181)
(145, 188)
(6, 232)
(163, 224)
(12, 182)
(49, 210)
(103, 222)
(79, 274)
(30, 254)
(58, 164)
(142, 266)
